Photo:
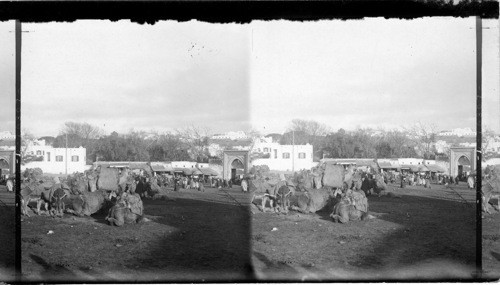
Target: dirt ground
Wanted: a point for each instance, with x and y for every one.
(7, 235)
(425, 234)
(491, 244)
(192, 236)
(212, 236)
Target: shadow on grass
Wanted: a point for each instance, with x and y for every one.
(212, 241)
(426, 231)
(431, 229)
(51, 272)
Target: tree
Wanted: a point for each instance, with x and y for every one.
(84, 130)
(198, 140)
(487, 137)
(27, 139)
(425, 137)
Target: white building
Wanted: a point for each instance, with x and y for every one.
(183, 164)
(283, 157)
(6, 135)
(410, 161)
(56, 160)
(465, 132)
(231, 136)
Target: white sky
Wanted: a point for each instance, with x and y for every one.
(7, 77)
(368, 73)
(122, 75)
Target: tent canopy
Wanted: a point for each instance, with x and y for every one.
(208, 171)
(434, 168)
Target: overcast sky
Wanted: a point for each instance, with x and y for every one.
(121, 75)
(7, 77)
(367, 73)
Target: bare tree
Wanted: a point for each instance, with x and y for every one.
(84, 130)
(309, 127)
(425, 137)
(197, 138)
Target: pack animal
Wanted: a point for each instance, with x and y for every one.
(353, 206)
(123, 212)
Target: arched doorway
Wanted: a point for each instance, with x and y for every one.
(234, 160)
(464, 168)
(237, 168)
(4, 167)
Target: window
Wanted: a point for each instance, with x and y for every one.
(275, 153)
(38, 152)
(302, 155)
(48, 156)
(59, 158)
(74, 158)
(286, 155)
(266, 149)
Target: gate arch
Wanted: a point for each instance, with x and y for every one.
(7, 158)
(230, 156)
(456, 157)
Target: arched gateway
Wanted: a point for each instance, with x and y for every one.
(235, 159)
(462, 159)
(7, 160)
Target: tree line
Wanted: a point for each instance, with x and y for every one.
(192, 143)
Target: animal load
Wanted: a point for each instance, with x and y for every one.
(134, 203)
(313, 200)
(108, 179)
(333, 176)
(90, 203)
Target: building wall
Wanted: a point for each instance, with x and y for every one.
(411, 161)
(285, 157)
(185, 164)
(231, 135)
(54, 160)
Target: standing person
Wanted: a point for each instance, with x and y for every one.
(244, 185)
(402, 180)
(175, 182)
(230, 183)
(201, 187)
(10, 185)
